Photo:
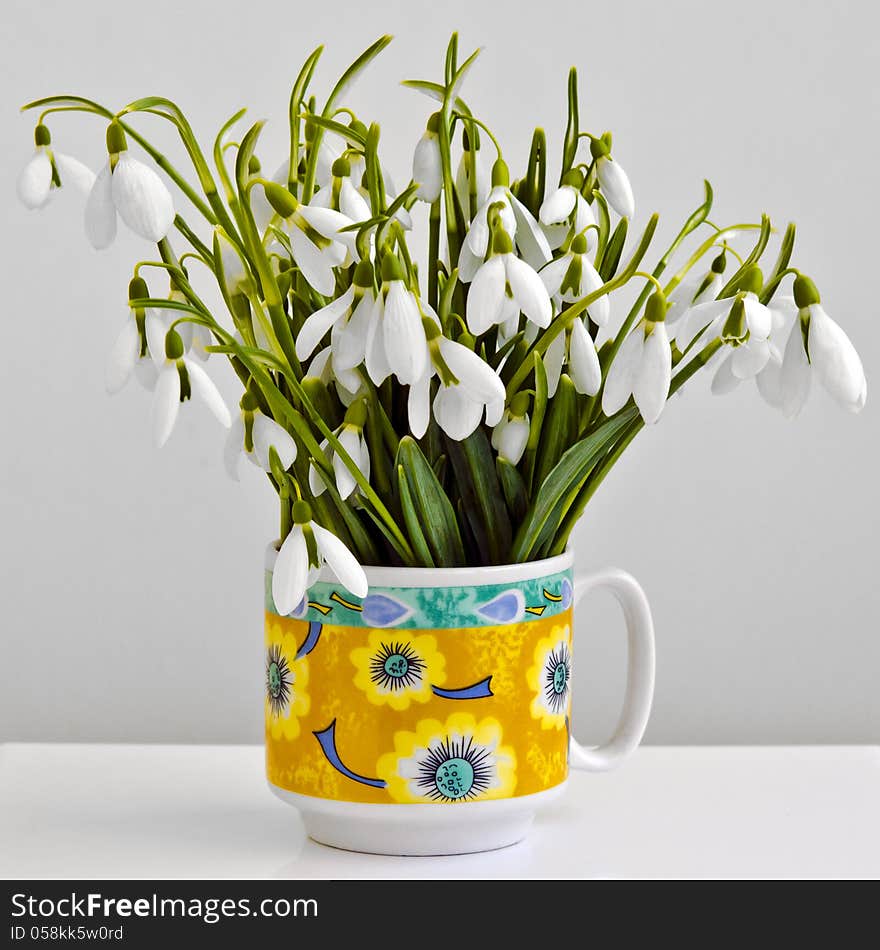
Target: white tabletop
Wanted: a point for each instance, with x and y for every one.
(112, 811)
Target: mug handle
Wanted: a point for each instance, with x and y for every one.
(640, 671)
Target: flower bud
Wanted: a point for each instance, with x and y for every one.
(433, 125)
(116, 141)
(282, 201)
(42, 136)
(301, 512)
(574, 178)
(579, 244)
(752, 280)
(392, 269)
(137, 289)
(356, 414)
(249, 402)
(656, 307)
(720, 263)
(519, 405)
(254, 165)
(600, 148)
(341, 168)
(805, 292)
(363, 274)
(500, 174)
(173, 345)
(358, 127)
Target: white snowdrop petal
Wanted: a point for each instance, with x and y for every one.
(583, 361)
(142, 199)
(479, 379)
(758, 318)
(652, 380)
(528, 291)
(495, 410)
(553, 274)
(375, 359)
(621, 374)
(486, 296)
(72, 171)
(530, 237)
(318, 323)
(419, 406)
(591, 281)
(341, 561)
(100, 212)
(456, 413)
(426, 170)
(268, 434)
(345, 481)
(35, 181)
(468, 264)
(326, 221)
(166, 403)
(349, 339)
(835, 360)
(352, 203)
(725, 381)
(406, 347)
(584, 216)
(697, 320)
(615, 186)
(291, 571)
(155, 331)
(146, 374)
(122, 358)
(748, 360)
(233, 448)
(203, 386)
(314, 267)
(512, 437)
(795, 374)
(554, 357)
(769, 381)
(558, 205)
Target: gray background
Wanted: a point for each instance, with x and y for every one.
(131, 578)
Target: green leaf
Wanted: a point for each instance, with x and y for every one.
(411, 520)
(434, 512)
(613, 251)
(539, 408)
(559, 430)
(473, 463)
(352, 136)
(434, 90)
(514, 489)
(553, 496)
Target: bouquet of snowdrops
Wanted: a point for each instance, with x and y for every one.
(464, 414)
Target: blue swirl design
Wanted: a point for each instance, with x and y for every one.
(327, 740)
(479, 690)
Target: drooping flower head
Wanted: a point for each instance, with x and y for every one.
(48, 170)
(613, 179)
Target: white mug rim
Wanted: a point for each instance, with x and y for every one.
(413, 577)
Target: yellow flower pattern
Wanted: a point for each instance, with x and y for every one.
(549, 678)
(458, 760)
(469, 727)
(397, 668)
(287, 680)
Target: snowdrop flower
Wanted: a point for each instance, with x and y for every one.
(564, 208)
(253, 434)
(348, 319)
(503, 286)
(705, 320)
(699, 290)
(304, 551)
(748, 354)
(130, 354)
(573, 276)
(576, 349)
(180, 377)
(642, 367)
(516, 220)
(511, 435)
(315, 238)
(613, 179)
(472, 165)
(333, 147)
(48, 170)
(130, 189)
(348, 384)
(396, 341)
(817, 345)
(459, 406)
(351, 437)
(427, 171)
(342, 194)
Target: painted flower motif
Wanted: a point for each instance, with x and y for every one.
(287, 680)
(549, 678)
(460, 760)
(508, 607)
(382, 610)
(398, 670)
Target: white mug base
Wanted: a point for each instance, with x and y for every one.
(418, 830)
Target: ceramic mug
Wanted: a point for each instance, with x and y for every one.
(433, 716)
